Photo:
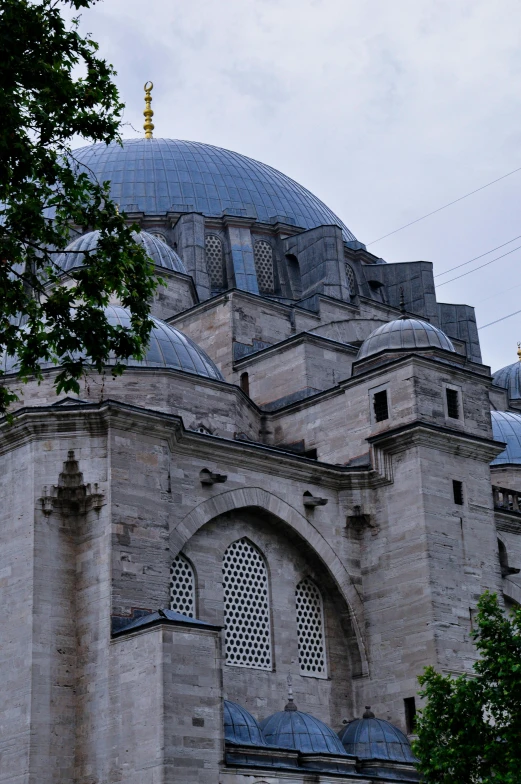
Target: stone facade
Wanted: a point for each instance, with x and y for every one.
(102, 491)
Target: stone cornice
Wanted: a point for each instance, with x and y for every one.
(300, 337)
(96, 419)
(438, 437)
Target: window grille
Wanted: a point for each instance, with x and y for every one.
(246, 607)
(182, 586)
(380, 405)
(310, 625)
(263, 257)
(350, 278)
(215, 261)
(452, 403)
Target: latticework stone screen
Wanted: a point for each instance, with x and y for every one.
(310, 625)
(350, 277)
(215, 261)
(182, 587)
(263, 257)
(246, 607)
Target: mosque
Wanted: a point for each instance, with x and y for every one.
(230, 564)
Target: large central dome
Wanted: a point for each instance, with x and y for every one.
(155, 176)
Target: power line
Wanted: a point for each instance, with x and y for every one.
(444, 206)
(477, 257)
(501, 319)
(464, 274)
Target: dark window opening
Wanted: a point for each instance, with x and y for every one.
(409, 705)
(457, 492)
(381, 409)
(311, 453)
(452, 403)
(245, 383)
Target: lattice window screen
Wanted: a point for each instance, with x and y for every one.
(182, 586)
(310, 624)
(246, 607)
(350, 277)
(215, 261)
(263, 257)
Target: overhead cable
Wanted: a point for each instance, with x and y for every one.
(463, 274)
(500, 319)
(477, 257)
(444, 206)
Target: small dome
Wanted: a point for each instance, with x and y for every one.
(240, 726)
(161, 254)
(404, 334)
(509, 377)
(167, 348)
(506, 427)
(292, 729)
(372, 738)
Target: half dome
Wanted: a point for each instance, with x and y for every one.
(240, 726)
(371, 738)
(506, 427)
(404, 334)
(156, 176)
(292, 729)
(509, 377)
(167, 348)
(157, 250)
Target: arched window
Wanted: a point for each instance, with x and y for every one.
(246, 607)
(245, 383)
(215, 261)
(182, 586)
(263, 257)
(310, 625)
(350, 278)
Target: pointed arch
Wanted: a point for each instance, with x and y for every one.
(258, 498)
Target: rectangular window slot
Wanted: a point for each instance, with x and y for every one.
(457, 492)
(452, 403)
(380, 406)
(409, 705)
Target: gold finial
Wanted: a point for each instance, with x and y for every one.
(519, 351)
(149, 125)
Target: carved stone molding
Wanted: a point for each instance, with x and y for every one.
(71, 496)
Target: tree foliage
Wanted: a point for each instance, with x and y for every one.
(470, 729)
(53, 88)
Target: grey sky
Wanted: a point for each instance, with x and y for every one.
(386, 109)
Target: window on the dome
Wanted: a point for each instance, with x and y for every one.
(246, 607)
(263, 257)
(182, 586)
(310, 626)
(380, 406)
(350, 279)
(158, 236)
(215, 261)
(452, 403)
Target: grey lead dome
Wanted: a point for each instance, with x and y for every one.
(404, 333)
(156, 176)
(167, 348)
(157, 250)
(506, 427)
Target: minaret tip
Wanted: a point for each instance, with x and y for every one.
(148, 113)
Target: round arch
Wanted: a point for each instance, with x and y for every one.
(256, 497)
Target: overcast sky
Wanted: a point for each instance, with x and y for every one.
(385, 109)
